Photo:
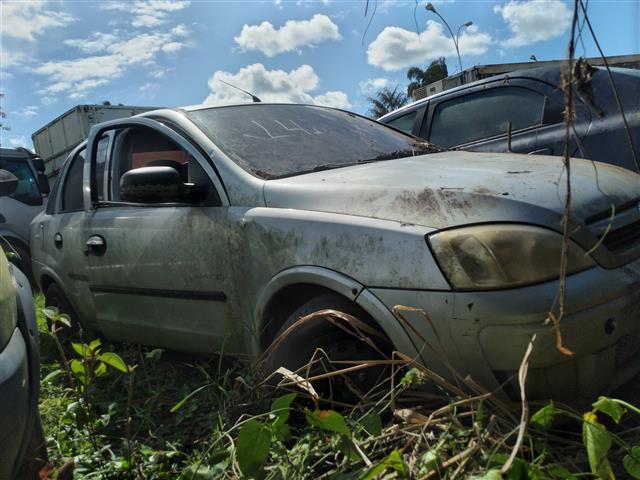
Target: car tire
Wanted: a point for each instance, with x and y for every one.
(55, 297)
(296, 349)
(35, 456)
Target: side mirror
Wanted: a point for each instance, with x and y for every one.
(153, 185)
(8, 183)
(43, 184)
(38, 164)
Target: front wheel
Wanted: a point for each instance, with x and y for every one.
(329, 334)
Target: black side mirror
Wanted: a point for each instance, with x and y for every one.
(43, 184)
(8, 183)
(38, 164)
(153, 185)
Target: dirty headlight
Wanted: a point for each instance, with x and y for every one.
(501, 256)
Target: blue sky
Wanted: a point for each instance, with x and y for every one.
(57, 54)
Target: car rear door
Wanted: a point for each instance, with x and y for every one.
(498, 116)
(159, 273)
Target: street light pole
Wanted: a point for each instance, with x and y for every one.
(454, 38)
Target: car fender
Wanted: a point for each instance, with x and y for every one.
(345, 286)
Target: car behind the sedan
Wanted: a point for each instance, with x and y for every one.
(228, 229)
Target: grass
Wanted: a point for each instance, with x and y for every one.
(164, 415)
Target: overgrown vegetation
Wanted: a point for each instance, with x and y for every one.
(118, 411)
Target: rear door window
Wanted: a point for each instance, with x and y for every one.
(485, 114)
(405, 122)
(27, 191)
(72, 200)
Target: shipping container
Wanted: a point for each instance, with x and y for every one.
(56, 139)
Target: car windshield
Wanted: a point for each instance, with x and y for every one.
(275, 141)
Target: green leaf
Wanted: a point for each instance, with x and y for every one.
(114, 360)
(200, 472)
(543, 418)
(77, 368)
(179, 405)
(329, 420)
(371, 423)
(560, 473)
(281, 408)
(252, 447)
(50, 312)
(52, 375)
(64, 319)
(100, 370)
(480, 413)
(430, 460)
(597, 441)
(82, 349)
(490, 475)
(94, 344)
(631, 462)
(610, 407)
(393, 461)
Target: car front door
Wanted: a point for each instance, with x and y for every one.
(500, 116)
(159, 273)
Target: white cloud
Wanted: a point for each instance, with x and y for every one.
(20, 141)
(147, 13)
(112, 55)
(172, 47)
(395, 48)
(296, 86)
(26, 20)
(534, 21)
(334, 99)
(293, 35)
(98, 42)
(372, 85)
(27, 112)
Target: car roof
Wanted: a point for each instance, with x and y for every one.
(549, 74)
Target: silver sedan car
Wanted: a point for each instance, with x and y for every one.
(216, 229)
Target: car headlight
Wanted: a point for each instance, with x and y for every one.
(504, 255)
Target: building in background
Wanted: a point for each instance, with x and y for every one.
(479, 72)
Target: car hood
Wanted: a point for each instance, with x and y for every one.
(456, 188)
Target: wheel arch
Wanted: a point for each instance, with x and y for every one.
(305, 282)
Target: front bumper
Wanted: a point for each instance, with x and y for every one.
(485, 334)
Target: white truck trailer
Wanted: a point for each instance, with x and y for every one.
(56, 139)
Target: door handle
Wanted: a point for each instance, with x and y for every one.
(57, 240)
(96, 245)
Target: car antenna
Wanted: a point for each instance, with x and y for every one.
(253, 97)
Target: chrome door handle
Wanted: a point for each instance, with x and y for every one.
(96, 245)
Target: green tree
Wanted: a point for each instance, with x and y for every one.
(418, 77)
(385, 101)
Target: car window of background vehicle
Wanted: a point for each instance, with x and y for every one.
(485, 114)
(405, 122)
(27, 191)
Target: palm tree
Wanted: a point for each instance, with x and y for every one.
(436, 70)
(385, 101)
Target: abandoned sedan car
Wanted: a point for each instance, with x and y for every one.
(215, 229)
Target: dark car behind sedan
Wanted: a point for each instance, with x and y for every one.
(476, 116)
